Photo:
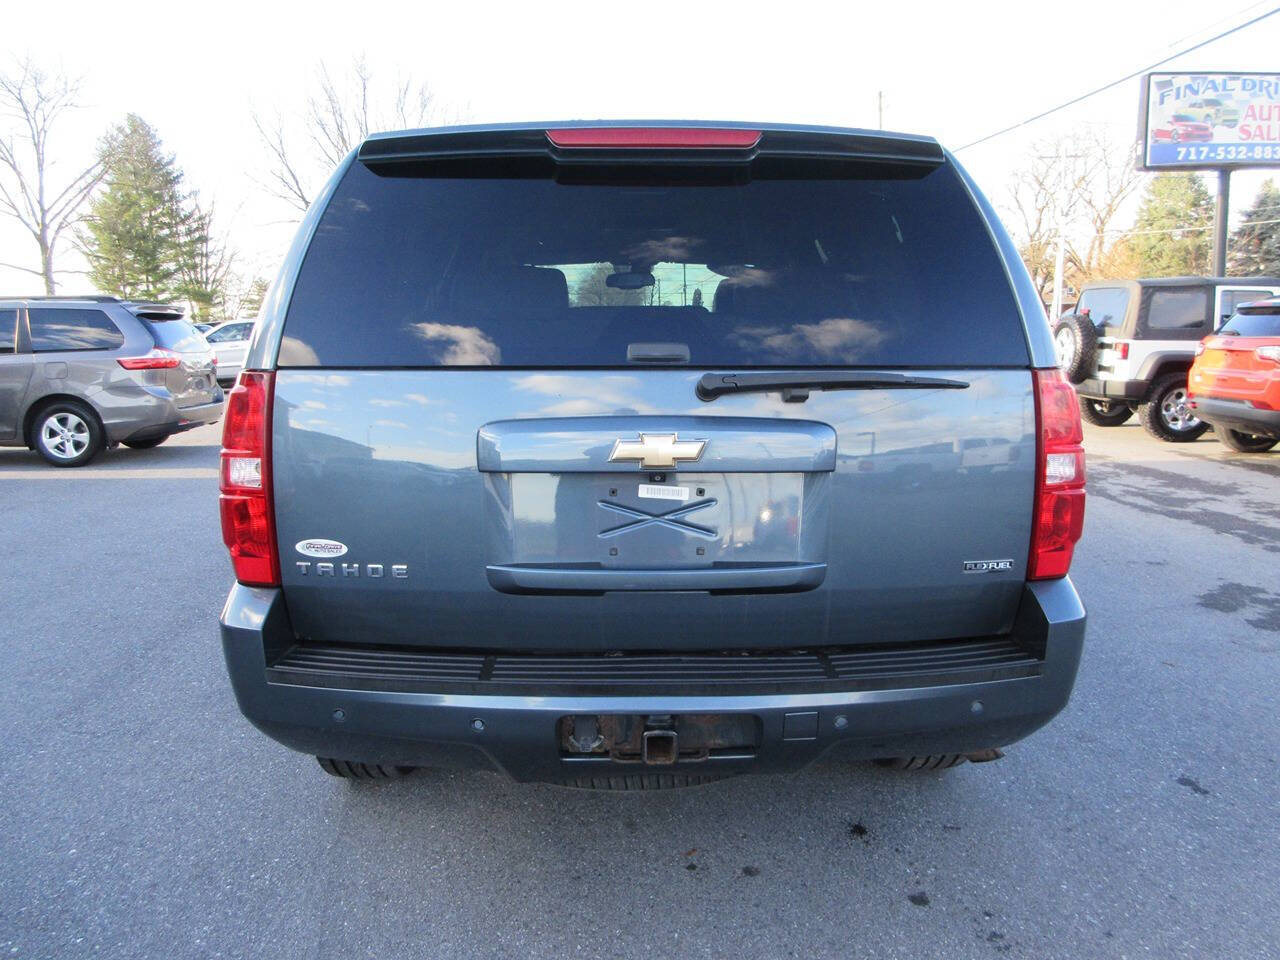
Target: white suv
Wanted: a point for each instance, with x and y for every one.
(1130, 343)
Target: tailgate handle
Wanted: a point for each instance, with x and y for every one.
(742, 578)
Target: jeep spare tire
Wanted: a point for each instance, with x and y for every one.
(1075, 340)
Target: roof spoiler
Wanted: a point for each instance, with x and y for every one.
(634, 143)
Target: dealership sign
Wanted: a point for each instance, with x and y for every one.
(1210, 120)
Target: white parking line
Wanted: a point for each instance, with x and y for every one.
(89, 473)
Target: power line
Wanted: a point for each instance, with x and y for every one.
(1138, 233)
(1215, 24)
(1137, 73)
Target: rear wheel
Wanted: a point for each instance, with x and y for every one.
(1246, 442)
(67, 434)
(353, 770)
(1167, 415)
(146, 444)
(932, 761)
(1104, 413)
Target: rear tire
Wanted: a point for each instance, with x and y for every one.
(67, 433)
(933, 761)
(1075, 341)
(144, 444)
(1104, 413)
(1246, 442)
(353, 770)
(1166, 415)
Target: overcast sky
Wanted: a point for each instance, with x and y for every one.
(196, 73)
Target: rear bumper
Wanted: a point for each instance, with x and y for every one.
(1237, 415)
(1133, 391)
(517, 733)
(167, 418)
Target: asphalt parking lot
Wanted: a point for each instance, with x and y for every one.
(142, 817)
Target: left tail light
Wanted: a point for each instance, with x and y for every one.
(248, 520)
(1059, 499)
(158, 358)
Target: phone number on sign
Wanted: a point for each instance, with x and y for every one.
(1231, 151)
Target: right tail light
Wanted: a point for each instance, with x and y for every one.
(1059, 498)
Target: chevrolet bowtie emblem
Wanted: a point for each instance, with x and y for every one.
(657, 450)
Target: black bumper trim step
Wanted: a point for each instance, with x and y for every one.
(862, 668)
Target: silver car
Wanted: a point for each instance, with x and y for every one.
(80, 374)
(230, 343)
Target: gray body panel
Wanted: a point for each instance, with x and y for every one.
(129, 403)
(892, 490)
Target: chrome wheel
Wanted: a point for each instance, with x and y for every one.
(65, 435)
(1176, 411)
(1065, 342)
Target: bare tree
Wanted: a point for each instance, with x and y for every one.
(31, 101)
(1044, 193)
(1110, 178)
(1079, 184)
(337, 117)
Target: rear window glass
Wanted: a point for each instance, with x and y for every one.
(1105, 305)
(1178, 309)
(1231, 299)
(8, 330)
(177, 334)
(72, 329)
(438, 271)
(1258, 322)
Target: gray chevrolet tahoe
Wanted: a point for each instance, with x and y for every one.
(639, 455)
(80, 374)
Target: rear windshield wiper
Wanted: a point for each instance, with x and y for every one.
(795, 386)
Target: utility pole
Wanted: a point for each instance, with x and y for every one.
(1055, 309)
(1221, 209)
(880, 109)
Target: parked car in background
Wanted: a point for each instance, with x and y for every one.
(1130, 343)
(230, 343)
(1215, 111)
(1183, 128)
(78, 374)
(482, 516)
(1235, 380)
(204, 327)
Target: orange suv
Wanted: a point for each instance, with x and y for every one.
(1235, 380)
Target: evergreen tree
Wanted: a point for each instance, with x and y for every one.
(137, 226)
(697, 297)
(1255, 244)
(251, 303)
(203, 264)
(1173, 232)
